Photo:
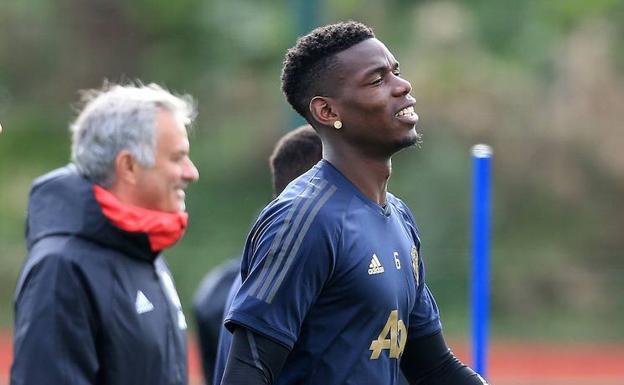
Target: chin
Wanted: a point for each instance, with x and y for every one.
(408, 141)
(173, 208)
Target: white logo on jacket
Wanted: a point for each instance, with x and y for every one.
(173, 297)
(142, 304)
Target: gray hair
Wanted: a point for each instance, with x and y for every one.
(119, 117)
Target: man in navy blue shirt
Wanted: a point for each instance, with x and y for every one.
(295, 153)
(333, 283)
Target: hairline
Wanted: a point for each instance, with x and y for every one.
(102, 126)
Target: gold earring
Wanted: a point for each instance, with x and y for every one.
(337, 124)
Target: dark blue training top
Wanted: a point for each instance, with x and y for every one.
(337, 279)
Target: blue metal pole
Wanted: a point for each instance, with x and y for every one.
(481, 159)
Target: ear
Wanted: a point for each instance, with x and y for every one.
(126, 168)
(323, 110)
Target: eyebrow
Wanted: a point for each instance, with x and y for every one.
(181, 152)
(381, 69)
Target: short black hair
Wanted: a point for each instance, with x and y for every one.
(295, 153)
(307, 64)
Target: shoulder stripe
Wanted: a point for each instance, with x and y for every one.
(302, 234)
(279, 243)
(294, 229)
(278, 238)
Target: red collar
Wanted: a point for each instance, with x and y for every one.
(162, 228)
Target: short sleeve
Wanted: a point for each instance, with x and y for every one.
(288, 259)
(424, 317)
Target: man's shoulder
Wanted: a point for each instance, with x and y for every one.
(67, 250)
(395, 200)
(310, 211)
(69, 170)
(315, 199)
(399, 205)
(75, 253)
(59, 248)
(50, 260)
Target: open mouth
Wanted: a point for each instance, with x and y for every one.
(407, 111)
(407, 114)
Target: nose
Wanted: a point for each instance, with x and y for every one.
(402, 86)
(190, 172)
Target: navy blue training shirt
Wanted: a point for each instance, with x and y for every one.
(337, 279)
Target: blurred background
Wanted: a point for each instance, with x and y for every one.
(540, 81)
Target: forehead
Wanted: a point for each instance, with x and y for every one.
(170, 130)
(364, 57)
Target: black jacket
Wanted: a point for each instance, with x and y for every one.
(93, 304)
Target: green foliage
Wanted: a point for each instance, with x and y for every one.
(539, 80)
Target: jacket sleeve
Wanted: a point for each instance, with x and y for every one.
(54, 339)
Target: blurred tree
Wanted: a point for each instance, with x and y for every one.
(541, 81)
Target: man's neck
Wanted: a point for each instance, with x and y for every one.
(368, 174)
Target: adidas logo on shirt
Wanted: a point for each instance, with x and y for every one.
(375, 266)
(142, 304)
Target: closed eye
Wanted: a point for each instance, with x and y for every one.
(179, 156)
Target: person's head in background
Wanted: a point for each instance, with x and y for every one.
(132, 140)
(295, 153)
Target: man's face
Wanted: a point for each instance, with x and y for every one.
(373, 101)
(161, 187)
